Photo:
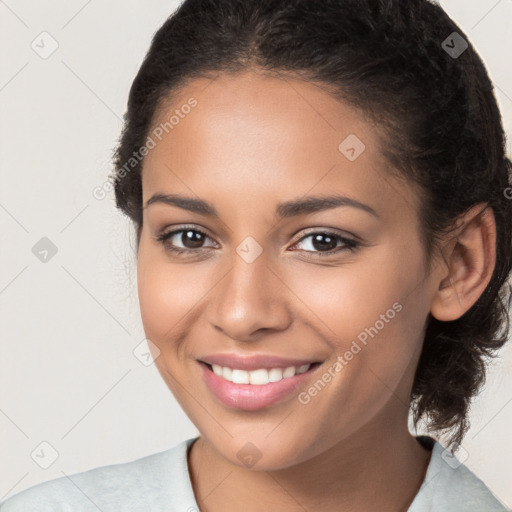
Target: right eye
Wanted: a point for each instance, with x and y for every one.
(187, 235)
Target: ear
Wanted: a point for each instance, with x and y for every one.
(470, 260)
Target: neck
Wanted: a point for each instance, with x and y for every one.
(379, 468)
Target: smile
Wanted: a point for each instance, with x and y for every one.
(258, 377)
(256, 388)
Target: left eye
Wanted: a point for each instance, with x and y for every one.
(326, 243)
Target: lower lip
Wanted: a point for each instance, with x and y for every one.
(251, 397)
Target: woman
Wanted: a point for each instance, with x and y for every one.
(319, 192)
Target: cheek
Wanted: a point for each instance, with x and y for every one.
(354, 297)
(371, 314)
(167, 293)
(372, 335)
(169, 296)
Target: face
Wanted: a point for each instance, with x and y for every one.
(336, 290)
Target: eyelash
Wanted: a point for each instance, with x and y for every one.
(349, 244)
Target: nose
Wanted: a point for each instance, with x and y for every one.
(249, 301)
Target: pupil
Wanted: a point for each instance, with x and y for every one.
(319, 245)
(192, 239)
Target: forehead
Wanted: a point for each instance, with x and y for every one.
(266, 135)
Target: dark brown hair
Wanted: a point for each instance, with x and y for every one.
(429, 94)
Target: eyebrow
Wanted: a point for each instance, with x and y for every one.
(310, 204)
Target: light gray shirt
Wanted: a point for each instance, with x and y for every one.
(161, 482)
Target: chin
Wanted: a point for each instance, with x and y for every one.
(261, 453)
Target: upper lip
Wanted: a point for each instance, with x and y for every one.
(254, 362)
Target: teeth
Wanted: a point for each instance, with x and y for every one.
(260, 376)
(240, 377)
(304, 368)
(275, 374)
(289, 372)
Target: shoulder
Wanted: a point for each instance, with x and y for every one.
(142, 484)
(450, 486)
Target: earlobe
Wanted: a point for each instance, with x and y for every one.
(470, 263)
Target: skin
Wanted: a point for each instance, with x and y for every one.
(252, 142)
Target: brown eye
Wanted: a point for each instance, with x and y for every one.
(325, 243)
(191, 240)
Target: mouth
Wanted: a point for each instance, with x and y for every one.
(260, 376)
(257, 388)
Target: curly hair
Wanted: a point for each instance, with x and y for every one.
(435, 110)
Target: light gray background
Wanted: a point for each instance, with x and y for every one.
(69, 326)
